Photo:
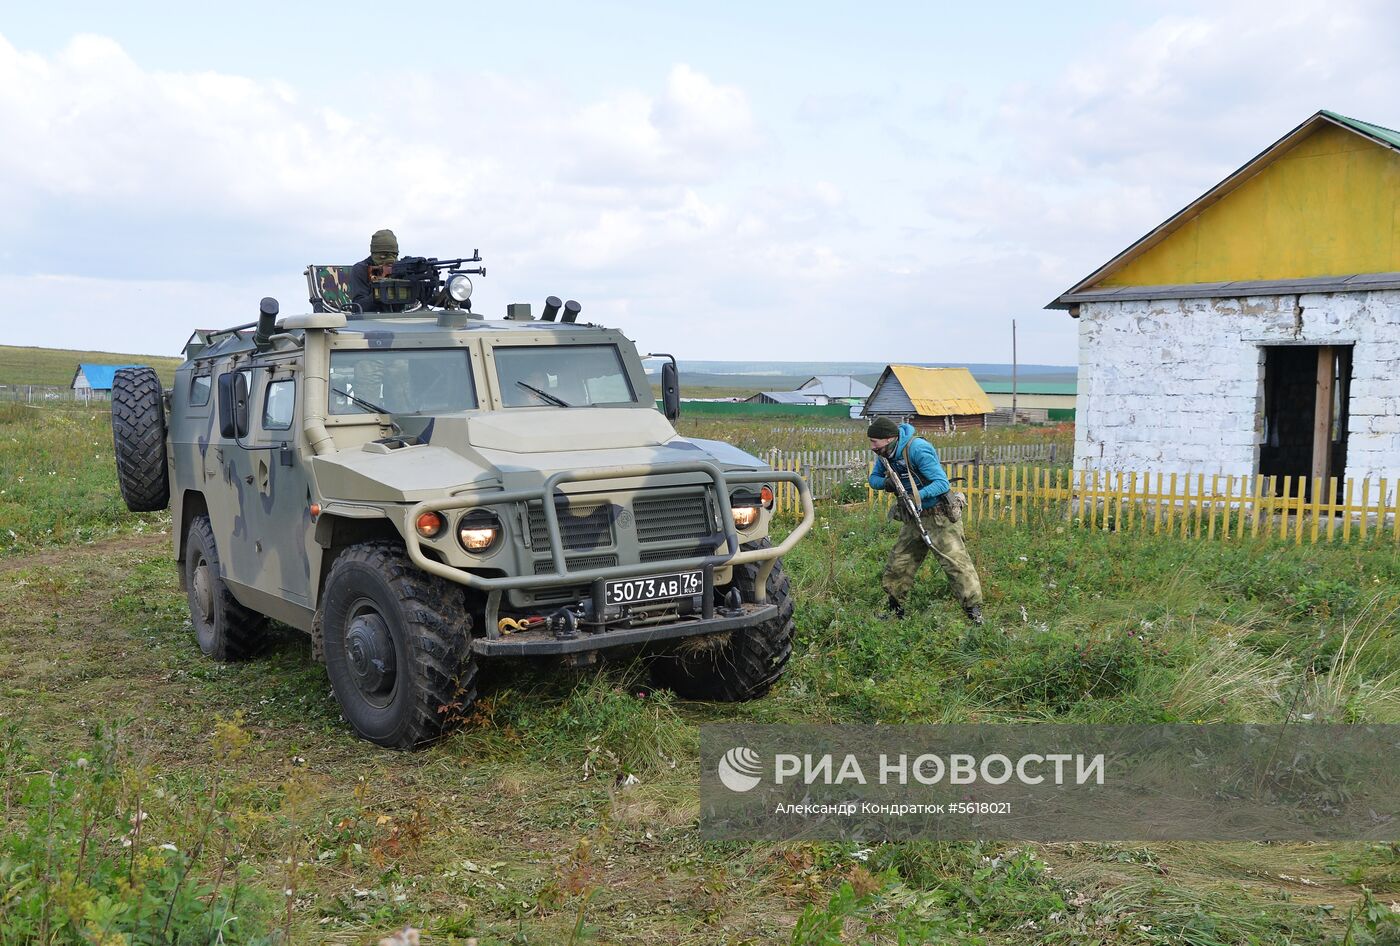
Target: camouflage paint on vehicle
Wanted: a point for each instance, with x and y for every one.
(423, 490)
(630, 496)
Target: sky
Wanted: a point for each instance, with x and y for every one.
(776, 181)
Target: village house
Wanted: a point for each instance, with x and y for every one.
(934, 400)
(95, 380)
(1257, 331)
(836, 389)
(785, 397)
(1038, 402)
(819, 390)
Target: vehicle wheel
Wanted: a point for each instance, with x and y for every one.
(225, 629)
(138, 435)
(749, 662)
(396, 645)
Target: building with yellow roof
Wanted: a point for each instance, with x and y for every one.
(1256, 331)
(932, 399)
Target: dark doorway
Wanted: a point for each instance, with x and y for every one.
(1306, 392)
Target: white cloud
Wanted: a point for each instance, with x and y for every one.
(164, 183)
(686, 134)
(1141, 122)
(878, 221)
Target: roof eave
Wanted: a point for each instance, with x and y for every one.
(1356, 282)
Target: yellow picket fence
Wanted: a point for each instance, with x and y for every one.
(1211, 506)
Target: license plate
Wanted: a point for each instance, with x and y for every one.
(654, 588)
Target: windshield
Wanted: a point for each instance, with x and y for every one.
(423, 381)
(562, 376)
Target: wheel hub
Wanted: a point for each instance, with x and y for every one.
(203, 593)
(369, 650)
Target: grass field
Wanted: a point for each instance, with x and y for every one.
(54, 367)
(759, 434)
(142, 786)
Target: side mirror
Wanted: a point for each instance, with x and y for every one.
(670, 391)
(233, 405)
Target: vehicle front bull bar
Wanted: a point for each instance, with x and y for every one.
(563, 576)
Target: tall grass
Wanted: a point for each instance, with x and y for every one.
(58, 479)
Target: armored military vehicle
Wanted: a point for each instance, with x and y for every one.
(422, 489)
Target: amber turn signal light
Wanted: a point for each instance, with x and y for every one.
(429, 524)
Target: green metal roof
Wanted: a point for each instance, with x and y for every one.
(1031, 387)
(1388, 135)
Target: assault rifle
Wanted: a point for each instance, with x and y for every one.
(908, 499)
(911, 505)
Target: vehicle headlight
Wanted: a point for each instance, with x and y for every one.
(459, 287)
(478, 531)
(744, 516)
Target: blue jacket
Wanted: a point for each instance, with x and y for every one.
(928, 472)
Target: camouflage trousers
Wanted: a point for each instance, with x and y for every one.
(909, 552)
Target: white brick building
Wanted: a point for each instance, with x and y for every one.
(1258, 330)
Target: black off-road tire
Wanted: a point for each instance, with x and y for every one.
(749, 662)
(225, 629)
(138, 434)
(396, 644)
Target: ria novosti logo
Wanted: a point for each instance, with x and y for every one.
(740, 769)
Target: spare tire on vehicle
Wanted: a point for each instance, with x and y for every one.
(138, 433)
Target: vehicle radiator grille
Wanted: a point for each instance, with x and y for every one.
(580, 526)
(576, 563)
(671, 518)
(661, 555)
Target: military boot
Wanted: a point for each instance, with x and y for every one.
(893, 610)
(974, 613)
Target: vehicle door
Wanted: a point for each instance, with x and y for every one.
(277, 504)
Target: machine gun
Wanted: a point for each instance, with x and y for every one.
(416, 281)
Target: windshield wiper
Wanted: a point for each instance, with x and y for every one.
(369, 406)
(361, 402)
(557, 401)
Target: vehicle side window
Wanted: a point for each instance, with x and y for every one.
(279, 404)
(200, 386)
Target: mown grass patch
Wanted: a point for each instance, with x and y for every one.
(566, 806)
